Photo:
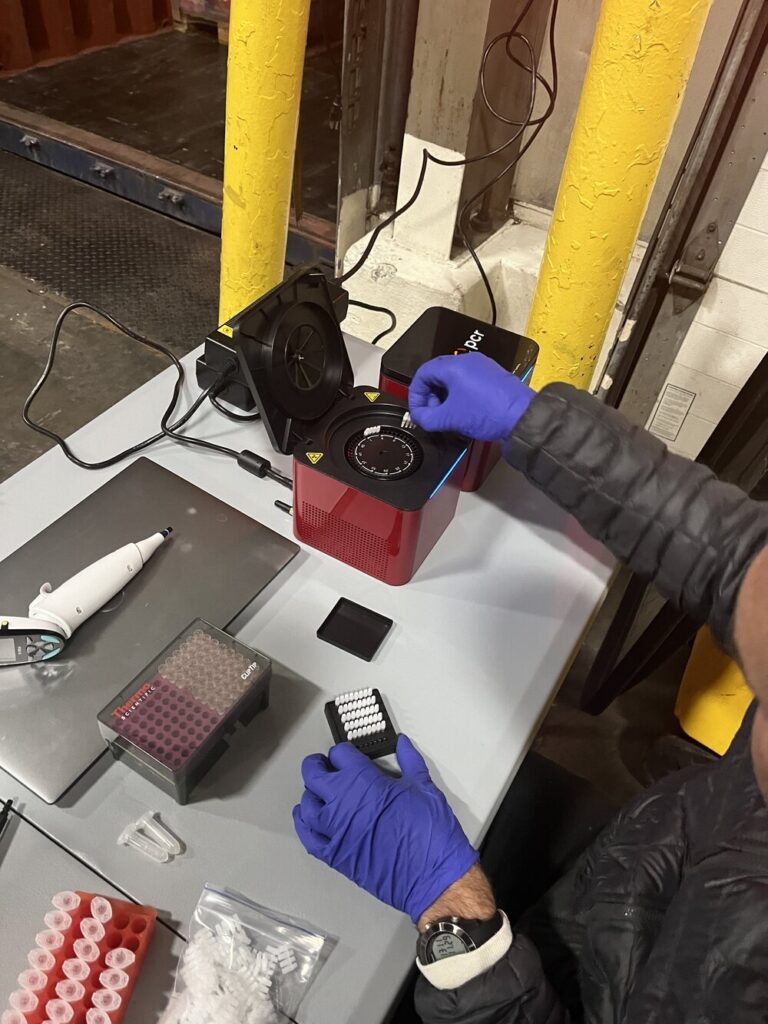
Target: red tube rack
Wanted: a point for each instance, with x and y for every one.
(129, 927)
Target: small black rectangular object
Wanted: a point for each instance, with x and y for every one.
(360, 717)
(355, 629)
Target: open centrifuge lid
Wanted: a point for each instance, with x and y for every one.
(293, 355)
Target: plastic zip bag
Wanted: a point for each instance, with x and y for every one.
(243, 964)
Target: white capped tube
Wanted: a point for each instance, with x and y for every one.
(32, 980)
(86, 950)
(92, 929)
(114, 979)
(66, 900)
(120, 957)
(59, 1011)
(101, 909)
(23, 1001)
(94, 1016)
(13, 1017)
(58, 920)
(41, 959)
(76, 969)
(49, 939)
(70, 991)
(107, 999)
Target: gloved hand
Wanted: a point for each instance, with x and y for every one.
(468, 394)
(395, 837)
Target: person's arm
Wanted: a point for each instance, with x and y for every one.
(501, 982)
(398, 839)
(669, 519)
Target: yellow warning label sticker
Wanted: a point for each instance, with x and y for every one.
(226, 329)
(314, 457)
(372, 395)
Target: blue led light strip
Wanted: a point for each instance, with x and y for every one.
(448, 474)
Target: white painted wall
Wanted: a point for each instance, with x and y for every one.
(728, 338)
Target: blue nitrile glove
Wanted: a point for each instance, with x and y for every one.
(395, 837)
(468, 394)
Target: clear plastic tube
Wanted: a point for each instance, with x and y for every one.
(33, 980)
(41, 959)
(49, 940)
(150, 823)
(70, 991)
(24, 1001)
(76, 969)
(58, 920)
(92, 929)
(120, 957)
(101, 909)
(114, 979)
(66, 900)
(95, 1016)
(86, 950)
(107, 999)
(59, 1011)
(13, 1017)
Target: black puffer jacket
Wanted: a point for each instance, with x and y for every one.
(664, 920)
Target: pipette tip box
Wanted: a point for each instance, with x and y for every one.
(172, 723)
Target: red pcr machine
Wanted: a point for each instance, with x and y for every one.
(370, 488)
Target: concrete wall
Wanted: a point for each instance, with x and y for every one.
(539, 174)
(728, 338)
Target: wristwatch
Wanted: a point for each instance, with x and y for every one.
(454, 936)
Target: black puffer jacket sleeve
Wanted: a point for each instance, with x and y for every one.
(514, 991)
(669, 519)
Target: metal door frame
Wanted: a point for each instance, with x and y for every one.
(379, 40)
(724, 157)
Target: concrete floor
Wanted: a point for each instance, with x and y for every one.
(97, 366)
(610, 750)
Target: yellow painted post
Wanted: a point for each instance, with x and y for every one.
(641, 58)
(267, 43)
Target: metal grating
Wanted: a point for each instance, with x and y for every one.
(157, 275)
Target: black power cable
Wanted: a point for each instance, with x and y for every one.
(254, 463)
(537, 123)
(237, 417)
(377, 309)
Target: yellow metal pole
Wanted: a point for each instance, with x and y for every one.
(641, 58)
(267, 42)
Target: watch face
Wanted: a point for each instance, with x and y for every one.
(446, 944)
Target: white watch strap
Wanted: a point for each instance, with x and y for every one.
(455, 971)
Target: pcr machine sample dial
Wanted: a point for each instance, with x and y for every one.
(384, 452)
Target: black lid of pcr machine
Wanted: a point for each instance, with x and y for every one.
(365, 446)
(441, 332)
(293, 355)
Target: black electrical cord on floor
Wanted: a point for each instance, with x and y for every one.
(537, 123)
(377, 309)
(254, 463)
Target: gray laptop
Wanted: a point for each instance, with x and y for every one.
(216, 562)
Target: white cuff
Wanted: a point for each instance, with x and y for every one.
(455, 971)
